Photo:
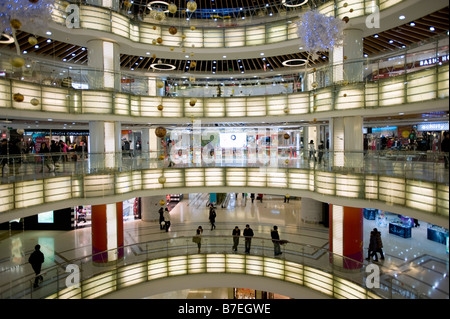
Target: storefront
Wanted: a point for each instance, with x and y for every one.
(76, 140)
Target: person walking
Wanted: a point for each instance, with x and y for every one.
(312, 150)
(161, 218)
(167, 219)
(252, 197)
(36, 260)
(321, 148)
(55, 149)
(286, 198)
(276, 241)
(248, 234)
(44, 150)
(373, 248)
(198, 239)
(3, 154)
(236, 234)
(379, 244)
(212, 217)
(445, 148)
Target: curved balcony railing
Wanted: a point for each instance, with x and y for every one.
(248, 29)
(305, 265)
(413, 180)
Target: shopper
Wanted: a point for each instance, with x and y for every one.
(36, 260)
(286, 198)
(260, 197)
(161, 218)
(236, 234)
(248, 234)
(55, 149)
(379, 244)
(167, 219)
(321, 148)
(445, 148)
(44, 150)
(212, 217)
(276, 241)
(372, 247)
(312, 150)
(3, 154)
(198, 239)
(252, 197)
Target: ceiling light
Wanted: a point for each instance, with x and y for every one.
(48, 33)
(365, 55)
(412, 24)
(224, 56)
(375, 36)
(49, 40)
(391, 41)
(402, 17)
(432, 29)
(262, 53)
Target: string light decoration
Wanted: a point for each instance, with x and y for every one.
(318, 32)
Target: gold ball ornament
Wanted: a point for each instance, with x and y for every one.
(159, 40)
(32, 40)
(346, 19)
(193, 64)
(314, 120)
(154, 27)
(315, 85)
(191, 5)
(161, 157)
(314, 107)
(172, 8)
(345, 82)
(192, 101)
(17, 61)
(286, 161)
(192, 28)
(18, 97)
(345, 4)
(172, 48)
(34, 102)
(345, 94)
(286, 110)
(345, 57)
(286, 136)
(153, 41)
(173, 30)
(191, 79)
(286, 85)
(351, 10)
(160, 84)
(16, 24)
(162, 202)
(154, 56)
(183, 37)
(160, 132)
(161, 179)
(160, 107)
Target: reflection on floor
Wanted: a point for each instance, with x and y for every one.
(417, 261)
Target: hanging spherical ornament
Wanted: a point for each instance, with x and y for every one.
(153, 41)
(17, 61)
(346, 19)
(172, 8)
(286, 110)
(345, 4)
(161, 157)
(351, 10)
(286, 85)
(160, 132)
(159, 40)
(160, 84)
(192, 54)
(286, 136)
(172, 48)
(161, 179)
(345, 94)
(16, 24)
(191, 5)
(154, 27)
(193, 64)
(315, 107)
(20, 131)
(345, 82)
(192, 28)
(345, 57)
(162, 202)
(314, 120)
(18, 97)
(160, 107)
(34, 102)
(33, 1)
(183, 37)
(173, 30)
(314, 85)
(32, 40)
(192, 79)
(286, 161)
(192, 101)
(154, 56)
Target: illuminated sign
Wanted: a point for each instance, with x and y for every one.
(438, 126)
(441, 59)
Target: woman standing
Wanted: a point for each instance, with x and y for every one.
(45, 157)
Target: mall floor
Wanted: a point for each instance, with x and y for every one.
(416, 261)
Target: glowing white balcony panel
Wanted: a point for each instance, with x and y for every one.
(123, 183)
(293, 272)
(349, 97)
(157, 268)
(255, 35)
(131, 275)
(298, 179)
(77, 186)
(134, 33)
(371, 95)
(214, 107)
(170, 40)
(421, 195)
(276, 178)
(29, 193)
(121, 104)
(353, 9)
(318, 280)
(99, 285)
(274, 268)
(136, 182)
(6, 197)
(276, 104)
(57, 189)
(256, 177)
(28, 91)
(443, 82)
(234, 37)
(321, 100)
(297, 103)
(215, 263)
(194, 38)
(236, 177)
(149, 33)
(174, 178)
(392, 190)
(235, 107)
(120, 25)
(325, 183)
(193, 111)
(5, 93)
(98, 185)
(235, 264)
(172, 107)
(55, 100)
(97, 102)
(196, 264)
(327, 9)
(371, 187)
(214, 38)
(135, 105)
(59, 13)
(254, 265)
(392, 91)
(67, 293)
(349, 186)
(256, 106)
(421, 86)
(276, 33)
(344, 289)
(95, 18)
(214, 176)
(150, 178)
(177, 265)
(442, 200)
(384, 4)
(149, 106)
(292, 31)
(195, 177)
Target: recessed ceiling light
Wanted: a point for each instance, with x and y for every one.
(48, 33)
(432, 29)
(224, 56)
(402, 17)
(391, 41)
(412, 24)
(262, 53)
(375, 36)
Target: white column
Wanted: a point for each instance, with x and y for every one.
(104, 56)
(104, 144)
(347, 141)
(145, 141)
(347, 59)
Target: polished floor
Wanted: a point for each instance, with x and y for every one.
(418, 262)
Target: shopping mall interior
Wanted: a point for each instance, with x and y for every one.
(325, 118)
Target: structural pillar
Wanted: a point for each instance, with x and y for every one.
(105, 145)
(107, 232)
(104, 56)
(346, 236)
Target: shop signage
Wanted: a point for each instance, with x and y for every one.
(440, 59)
(439, 126)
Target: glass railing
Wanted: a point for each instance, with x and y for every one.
(415, 180)
(92, 276)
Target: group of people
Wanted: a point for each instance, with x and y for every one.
(164, 219)
(312, 151)
(375, 246)
(248, 235)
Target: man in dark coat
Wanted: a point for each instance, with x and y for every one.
(248, 234)
(445, 147)
(36, 260)
(276, 241)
